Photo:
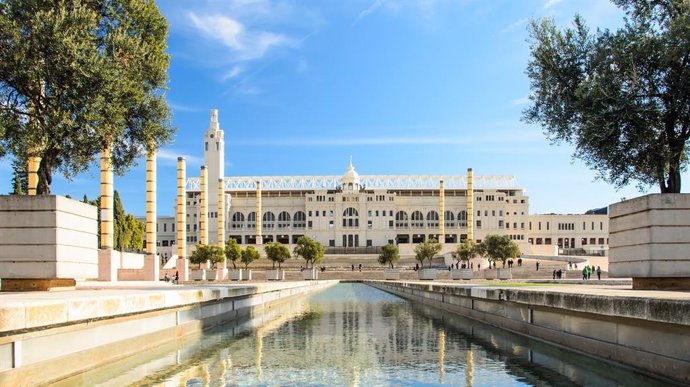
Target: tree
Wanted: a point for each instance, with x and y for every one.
(310, 250)
(20, 182)
(77, 76)
(277, 252)
(249, 255)
(621, 97)
(390, 254)
(465, 250)
(206, 253)
(499, 248)
(427, 250)
(233, 251)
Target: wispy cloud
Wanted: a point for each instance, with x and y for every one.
(369, 10)
(171, 155)
(520, 101)
(551, 3)
(514, 25)
(182, 108)
(508, 137)
(234, 72)
(245, 44)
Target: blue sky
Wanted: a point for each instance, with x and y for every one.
(404, 86)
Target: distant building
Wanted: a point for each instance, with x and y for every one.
(353, 213)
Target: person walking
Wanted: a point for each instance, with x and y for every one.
(537, 265)
(599, 273)
(584, 273)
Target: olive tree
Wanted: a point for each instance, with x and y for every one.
(249, 255)
(427, 250)
(465, 251)
(620, 97)
(390, 254)
(77, 76)
(207, 253)
(233, 251)
(277, 252)
(310, 250)
(498, 248)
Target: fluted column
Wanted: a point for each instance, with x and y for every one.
(181, 209)
(203, 207)
(151, 203)
(107, 217)
(32, 175)
(442, 214)
(470, 205)
(259, 238)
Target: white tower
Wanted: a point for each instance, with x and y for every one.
(214, 159)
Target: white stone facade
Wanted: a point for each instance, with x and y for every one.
(354, 213)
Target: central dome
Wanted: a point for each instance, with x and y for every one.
(350, 180)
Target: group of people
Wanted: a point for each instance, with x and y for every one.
(588, 270)
(360, 267)
(175, 279)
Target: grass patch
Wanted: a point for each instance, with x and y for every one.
(521, 284)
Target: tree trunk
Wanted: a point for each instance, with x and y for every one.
(45, 175)
(673, 181)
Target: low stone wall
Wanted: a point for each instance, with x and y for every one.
(42, 341)
(648, 334)
(47, 237)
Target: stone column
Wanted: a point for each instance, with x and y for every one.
(152, 263)
(259, 237)
(442, 214)
(182, 264)
(203, 207)
(108, 258)
(470, 205)
(107, 217)
(32, 176)
(151, 203)
(222, 273)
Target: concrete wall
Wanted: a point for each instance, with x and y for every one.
(650, 236)
(42, 343)
(47, 237)
(651, 335)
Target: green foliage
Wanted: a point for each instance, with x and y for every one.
(498, 248)
(465, 250)
(427, 250)
(621, 97)
(204, 253)
(20, 181)
(277, 252)
(77, 75)
(233, 251)
(310, 250)
(390, 254)
(249, 255)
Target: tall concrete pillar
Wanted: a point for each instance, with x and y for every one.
(152, 264)
(107, 217)
(203, 207)
(470, 205)
(259, 238)
(221, 213)
(222, 273)
(442, 214)
(32, 175)
(151, 203)
(182, 263)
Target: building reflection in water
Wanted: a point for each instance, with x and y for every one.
(356, 335)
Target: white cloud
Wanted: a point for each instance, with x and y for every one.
(520, 101)
(507, 137)
(514, 25)
(372, 7)
(551, 3)
(172, 155)
(234, 72)
(244, 44)
(182, 108)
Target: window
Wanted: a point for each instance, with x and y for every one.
(500, 224)
(493, 212)
(479, 224)
(299, 219)
(165, 227)
(500, 212)
(547, 241)
(507, 224)
(601, 241)
(206, 146)
(369, 243)
(592, 241)
(522, 225)
(417, 219)
(309, 224)
(432, 219)
(514, 224)
(539, 241)
(331, 242)
(369, 224)
(601, 225)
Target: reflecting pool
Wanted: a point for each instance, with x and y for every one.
(356, 335)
